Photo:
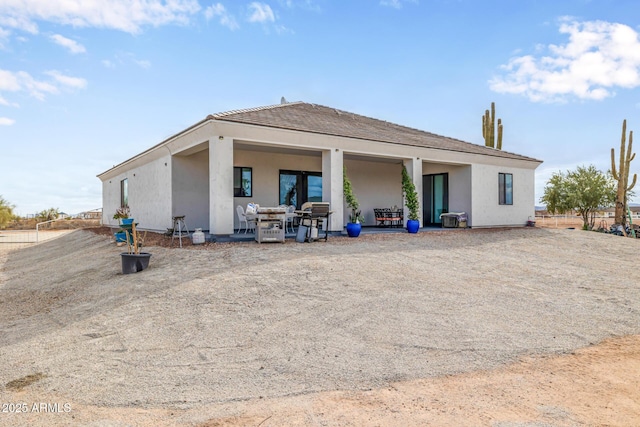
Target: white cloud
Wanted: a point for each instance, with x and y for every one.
(9, 81)
(7, 103)
(72, 45)
(71, 82)
(396, 4)
(4, 37)
(393, 3)
(108, 64)
(22, 81)
(123, 15)
(5, 121)
(226, 19)
(261, 13)
(142, 63)
(599, 57)
(302, 4)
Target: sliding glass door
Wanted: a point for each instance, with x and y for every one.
(298, 187)
(435, 195)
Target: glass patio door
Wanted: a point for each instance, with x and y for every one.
(435, 196)
(298, 187)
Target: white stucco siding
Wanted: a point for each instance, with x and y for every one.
(266, 168)
(459, 185)
(487, 212)
(332, 187)
(111, 199)
(376, 184)
(149, 194)
(190, 188)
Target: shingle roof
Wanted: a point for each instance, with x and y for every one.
(305, 117)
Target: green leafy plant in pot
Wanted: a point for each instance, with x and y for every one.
(410, 201)
(122, 215)
(354, 226)
(134, 260)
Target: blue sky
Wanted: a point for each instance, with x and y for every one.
(87, 84)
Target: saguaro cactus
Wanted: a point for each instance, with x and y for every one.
(488, 128)
(622, 175)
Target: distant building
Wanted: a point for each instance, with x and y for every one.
(92, 214)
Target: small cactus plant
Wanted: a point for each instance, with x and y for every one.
(489, 128)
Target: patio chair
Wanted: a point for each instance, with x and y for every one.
(290, 217)
(242, 217)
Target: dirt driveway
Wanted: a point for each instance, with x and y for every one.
(475, 327)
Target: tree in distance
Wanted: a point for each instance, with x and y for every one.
(585, 190)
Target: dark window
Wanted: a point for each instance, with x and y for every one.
(242, 182)
(124, 192)
(298, 187)
(505, 188)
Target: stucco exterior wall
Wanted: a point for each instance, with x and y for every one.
(459, 185)
(266, 168)
(149, 194)
(155, 195)
(376, 185)
(487, 212)
(190, 189)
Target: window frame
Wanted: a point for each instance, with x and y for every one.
(505, 189)
(124, 192)
(302, 184)
(237, 191)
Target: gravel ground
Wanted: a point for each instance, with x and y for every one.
(232, 322)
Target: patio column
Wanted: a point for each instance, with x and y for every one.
(414, 168)
(221, 209)
(332, 190)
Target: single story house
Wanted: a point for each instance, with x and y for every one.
(295, 152)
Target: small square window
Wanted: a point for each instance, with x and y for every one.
(505, 188)
(242, 182)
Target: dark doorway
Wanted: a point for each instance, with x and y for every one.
(435, 196)
(298, 187)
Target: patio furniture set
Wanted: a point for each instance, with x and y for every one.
(389, 217)
(270, 224)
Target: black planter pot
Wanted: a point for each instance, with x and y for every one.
(132, 263)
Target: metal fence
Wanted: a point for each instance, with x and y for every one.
(29, 236)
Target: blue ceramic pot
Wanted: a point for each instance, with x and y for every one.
(353, 229)
(126, 221)
(120, 236)
(413, 225)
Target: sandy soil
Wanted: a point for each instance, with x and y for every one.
(546, 374)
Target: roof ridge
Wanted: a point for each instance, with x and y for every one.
(250, 110)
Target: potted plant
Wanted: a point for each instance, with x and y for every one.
(122, 215)
(354, 225)
(410, 201)
(133, 260)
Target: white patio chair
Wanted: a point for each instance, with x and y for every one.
(290, 217)
(243, 218)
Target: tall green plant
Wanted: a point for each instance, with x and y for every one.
(410, 195)
(352, 202)
(6, 212)
(489, 128)
(622, 175)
